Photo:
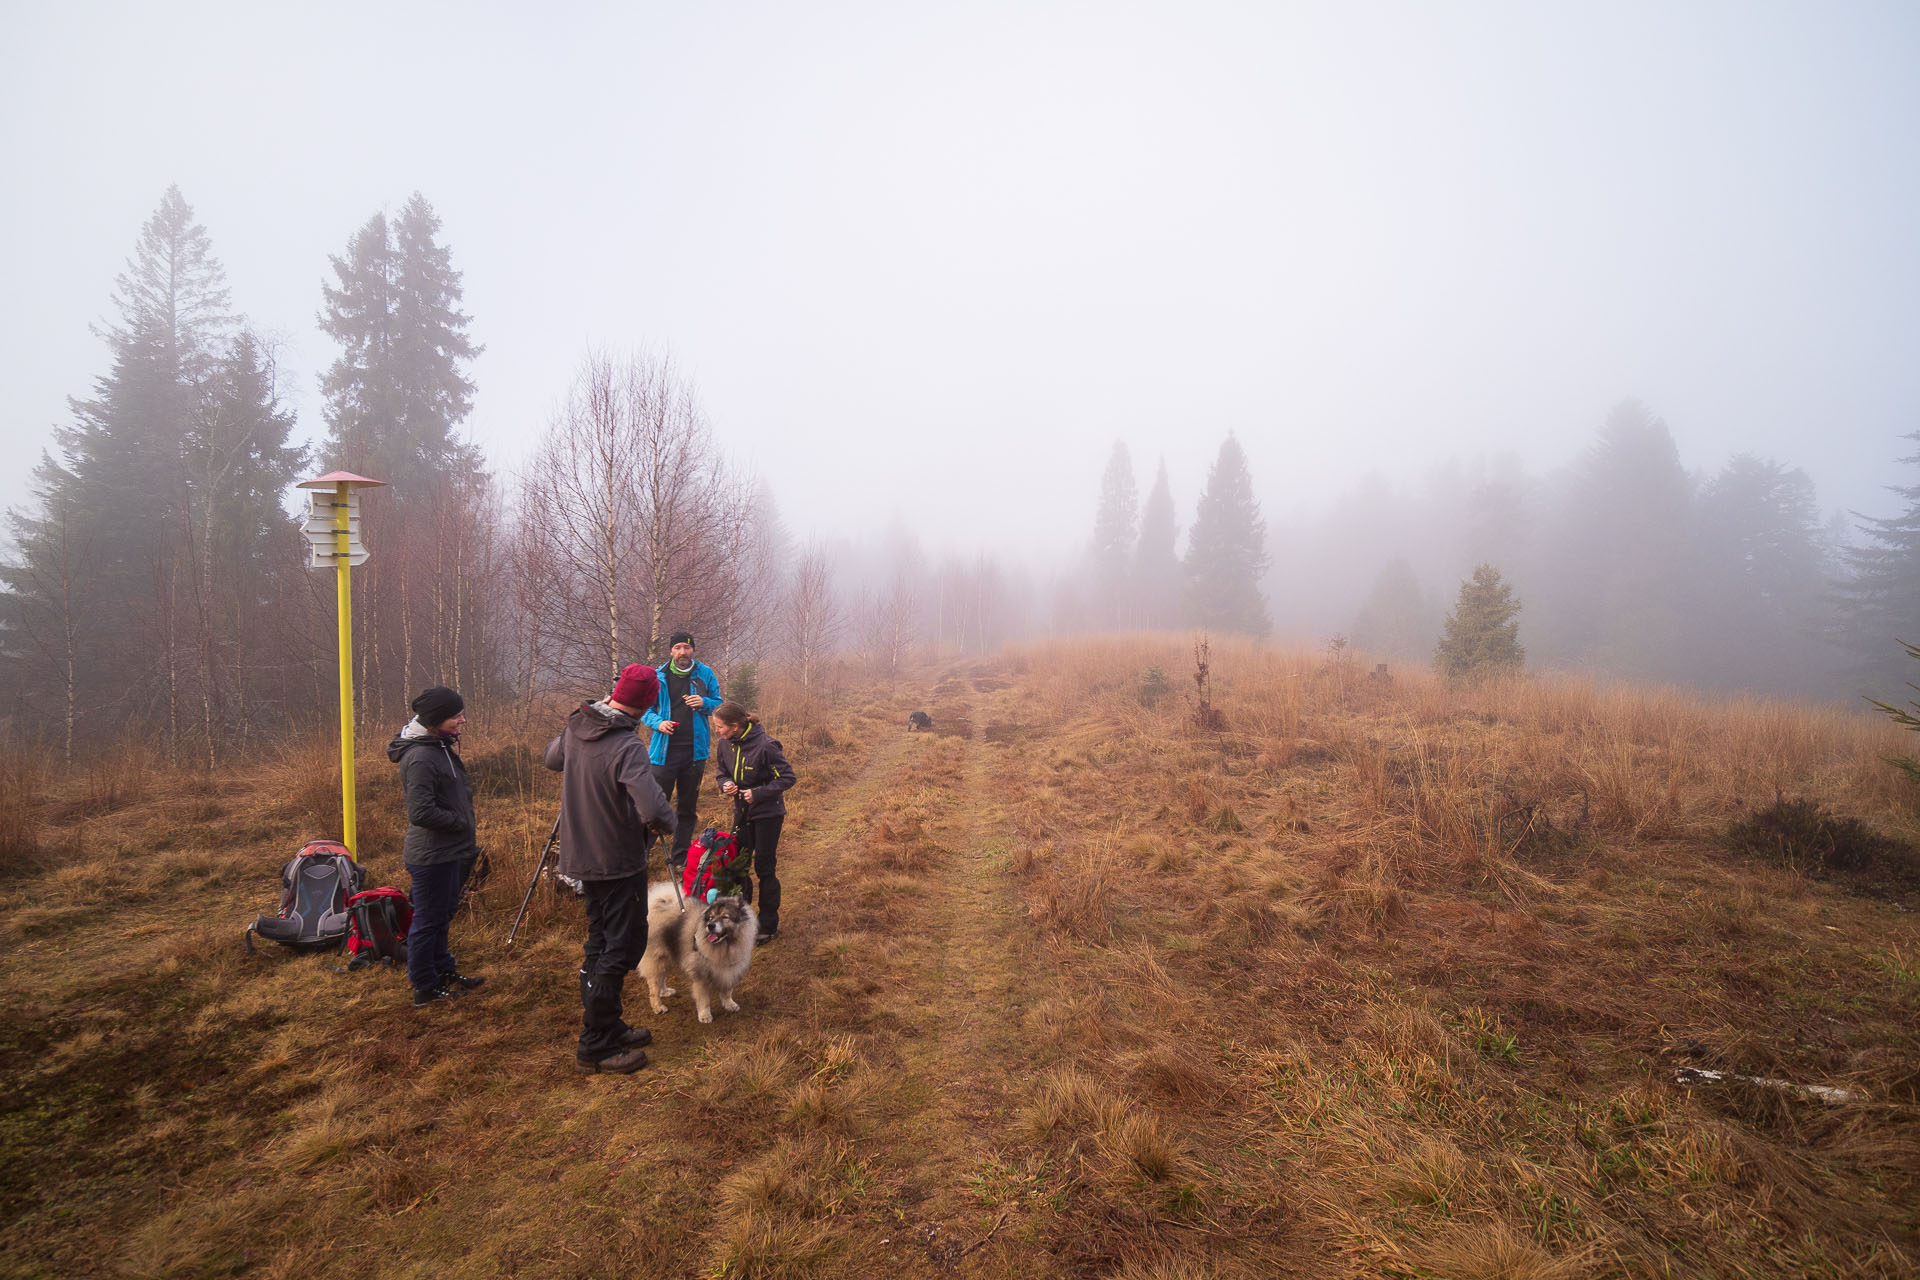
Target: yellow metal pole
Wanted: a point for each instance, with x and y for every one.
(341, 569)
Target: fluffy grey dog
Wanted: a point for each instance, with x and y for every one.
(710, 942)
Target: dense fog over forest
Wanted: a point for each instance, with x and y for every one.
(934, 331)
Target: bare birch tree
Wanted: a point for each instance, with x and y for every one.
(812, 619)
(582, 542)
(677, 494)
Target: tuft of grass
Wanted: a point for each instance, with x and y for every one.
(1075, 902)
(1433, 1173)
(1495, 1251)
(1140, 1141)
(1802, 835)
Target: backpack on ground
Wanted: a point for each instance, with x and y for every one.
(314, 888)
(713, 862)
(378, 920)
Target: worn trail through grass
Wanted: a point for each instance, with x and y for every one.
(912, 855)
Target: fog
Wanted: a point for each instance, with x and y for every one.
(926, 267)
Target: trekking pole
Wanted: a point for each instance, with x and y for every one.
(673, 878)
(538, 867)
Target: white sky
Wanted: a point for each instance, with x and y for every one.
(928, 263)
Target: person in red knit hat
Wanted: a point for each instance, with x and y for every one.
(610, 808)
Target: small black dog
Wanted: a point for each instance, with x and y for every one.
(919, 720)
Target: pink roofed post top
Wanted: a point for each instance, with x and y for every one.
(333, 478)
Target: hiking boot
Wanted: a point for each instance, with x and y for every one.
(634, 1037)
(432, 995)
(761, 940)
(455, 983)
(623, 1063)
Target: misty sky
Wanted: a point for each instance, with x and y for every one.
(927, 264)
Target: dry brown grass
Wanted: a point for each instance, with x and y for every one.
(1375, 980)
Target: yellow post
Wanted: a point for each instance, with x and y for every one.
(342, 568)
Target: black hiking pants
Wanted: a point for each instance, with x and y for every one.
(760, 839)
(682, 775)
(616, 937)
(434, 892)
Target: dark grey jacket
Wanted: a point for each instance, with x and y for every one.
(440, 826)
(755, 761)
(608, 797)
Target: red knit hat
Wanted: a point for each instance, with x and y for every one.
(637, 687)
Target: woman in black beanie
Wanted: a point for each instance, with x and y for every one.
(440, 847)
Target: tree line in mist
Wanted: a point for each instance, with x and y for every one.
(155, 582)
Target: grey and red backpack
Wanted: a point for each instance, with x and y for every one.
(323, 906)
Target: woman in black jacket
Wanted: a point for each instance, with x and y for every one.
(440, 847)
(753, 770)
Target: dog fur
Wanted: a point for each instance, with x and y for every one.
(919, 720)
(711, 943)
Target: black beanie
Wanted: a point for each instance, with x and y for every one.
(680, 637)
(438, 705)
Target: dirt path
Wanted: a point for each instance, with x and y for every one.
(917, 867)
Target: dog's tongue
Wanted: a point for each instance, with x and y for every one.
(713, 935)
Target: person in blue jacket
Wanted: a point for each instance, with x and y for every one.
(689, 691)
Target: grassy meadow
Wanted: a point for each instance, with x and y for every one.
(1303, 973)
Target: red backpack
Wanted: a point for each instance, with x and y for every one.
(377, 928)
(713, 862)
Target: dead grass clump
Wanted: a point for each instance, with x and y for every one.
(1495, 1251)
(1068, 1100)
(794, 1177)
(776, 1249)
(21, 778)
(1163, 857)
(306, 781)
(1357, 889)
(117, 778)
(1801, 835)
(1086, 1020)
(1414, 1033)
(1433, 1171)
(908, 857)
(392, 1183)
(757, 1072)
(1075, 902)
(1166, 1266)
(839, 1093)
(1226, 821)
(1140, 1142)
(1247, 921)
(1175, 1074)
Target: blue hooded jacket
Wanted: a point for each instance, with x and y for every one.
(703, 682)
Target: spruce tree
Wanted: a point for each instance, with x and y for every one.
(398, 392)
(1114, 535)
(109, 543)
(1156, 569)
(1880, 600)
(1620, 593)
(1764, 567)
(1227, 551)
(1480, 637)
(395, 399)
(237, 464)
(1396, 620)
